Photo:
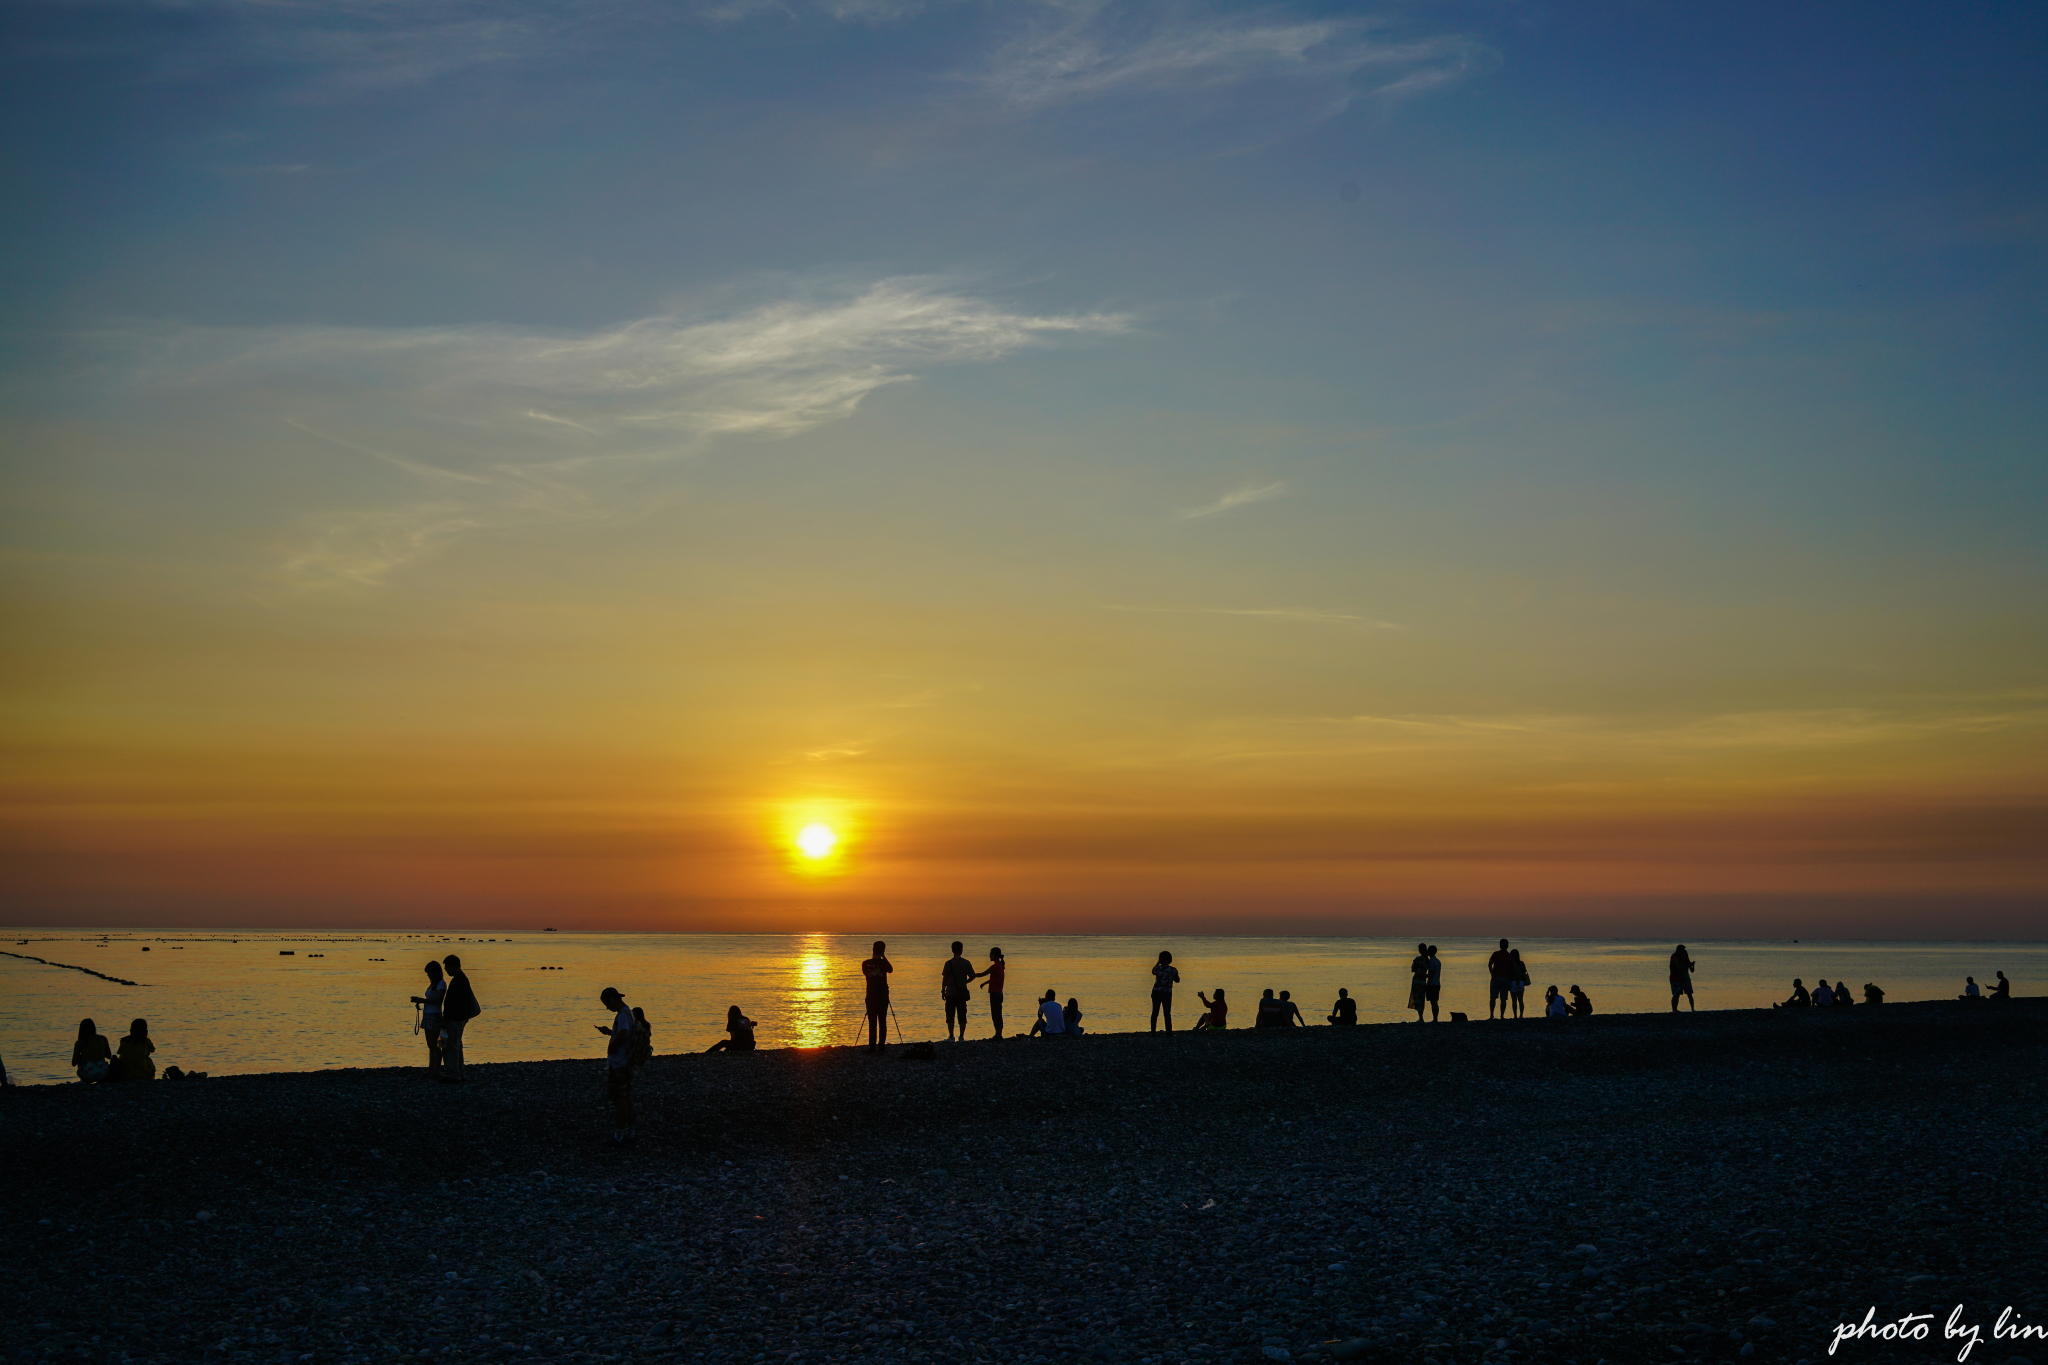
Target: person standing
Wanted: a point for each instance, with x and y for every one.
(1164, 975)
(1499, 968)
(1518, 981)
(430, 1015)
(1681, 979)
(1418, 980)
(1435, 987)
(876, 969)
(618, 1065)
(992, 982)
(956, 980)
(458, 1006)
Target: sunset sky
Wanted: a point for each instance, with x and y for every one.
(1337, 469)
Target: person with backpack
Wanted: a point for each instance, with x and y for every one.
(618, 1064)
(458, 1006)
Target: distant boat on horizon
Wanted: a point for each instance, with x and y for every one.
(547, 931)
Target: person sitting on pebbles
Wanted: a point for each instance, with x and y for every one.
(1345, 1011)
(1800, 999)
(1823, 996)
(1218, 1015)
(1582, 1004)
(742, 1030)
(1554, 1006)
(1970, 991)
(1052, 1020)
(1842, 996)
(2003, 990)
(1873, 994)
(1290, 1013)
(135, 1063)
(1073, 1016)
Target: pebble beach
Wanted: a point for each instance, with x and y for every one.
(1626, 1188)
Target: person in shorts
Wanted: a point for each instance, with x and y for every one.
(1434, 987)
(956, 979)
(1499, 971)
(1681, 979)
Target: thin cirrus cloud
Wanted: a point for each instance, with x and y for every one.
(1111, 51)
(544, 421)
(1240, 497)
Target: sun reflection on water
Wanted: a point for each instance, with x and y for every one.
(811, 1005)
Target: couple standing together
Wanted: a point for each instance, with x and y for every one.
(445, 1010)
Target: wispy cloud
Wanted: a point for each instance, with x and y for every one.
(1235, 498)
(1103, 51)
(527, 425)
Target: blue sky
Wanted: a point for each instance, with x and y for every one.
(1605, 407)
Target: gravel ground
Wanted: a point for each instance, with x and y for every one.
(1636, 1188)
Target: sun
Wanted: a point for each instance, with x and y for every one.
(816, 841)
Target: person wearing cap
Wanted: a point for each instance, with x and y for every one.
(618, 1061)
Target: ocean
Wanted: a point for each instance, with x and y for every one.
(232, 1002)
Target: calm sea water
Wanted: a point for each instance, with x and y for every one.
(227, 1002)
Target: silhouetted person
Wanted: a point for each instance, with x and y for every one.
(1345, 1011)
(1072, 1017)
(1554, 1006)
(1435, 986)
(1518, 982)
(90, 1055)
(1873, 994)
(2003, 990)
(992, 982)
(458, 1007)
(1498, 969)
(1800, 999)
(1269, 1011)
(618, 1064)
(1822, 995)
(1217, 1011)
(643, 1040)
(1681, 978)
(1290, 1013)
(956, 981)
(740, 1030)
(135, 1063)
(1052, 1020)
(430, 1015)
(1842, 994)
(876, 969)
(1418, 980)
(1582, 1004)
(1164, 977)
(1970, 991)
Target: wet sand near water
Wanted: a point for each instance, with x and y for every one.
(1627, 1188)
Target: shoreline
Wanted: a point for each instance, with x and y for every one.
(1120, 1198)
(1532, 1021)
